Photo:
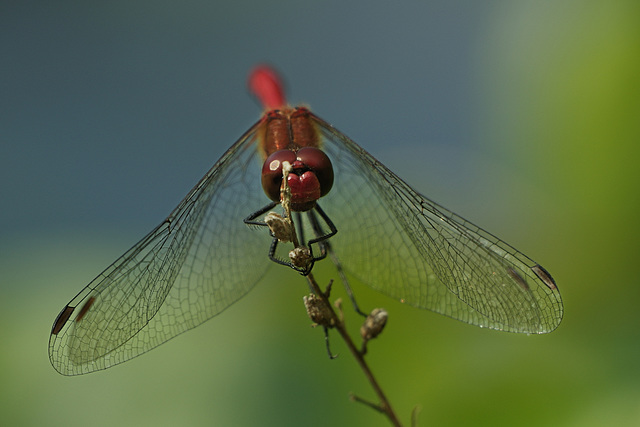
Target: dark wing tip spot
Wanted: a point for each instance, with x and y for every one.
(544, 276)
(61, 320)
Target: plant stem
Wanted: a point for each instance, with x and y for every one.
(384, 406)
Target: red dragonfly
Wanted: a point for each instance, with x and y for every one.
(372, 226)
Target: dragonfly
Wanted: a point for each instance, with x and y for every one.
(351, 212)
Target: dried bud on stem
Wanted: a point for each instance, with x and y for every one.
(280, 227)
(374, 324)
(300, 257)
(318, 312)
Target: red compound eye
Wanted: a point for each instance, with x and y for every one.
(272, 172)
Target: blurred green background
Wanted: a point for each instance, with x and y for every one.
(523, 117)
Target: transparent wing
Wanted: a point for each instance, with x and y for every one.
(195, 264)
(414, 250)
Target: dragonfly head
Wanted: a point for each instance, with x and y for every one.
(310, 178)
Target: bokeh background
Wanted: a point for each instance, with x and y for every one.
(521, 116)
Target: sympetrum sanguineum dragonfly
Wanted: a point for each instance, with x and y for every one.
(375, 228)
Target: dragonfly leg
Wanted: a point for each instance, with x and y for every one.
(251, 219)
(326, 340)
(325, 248)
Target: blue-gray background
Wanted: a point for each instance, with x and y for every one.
(522, 117)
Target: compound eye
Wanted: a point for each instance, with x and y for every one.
(272, 172)
(317, 162)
